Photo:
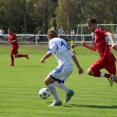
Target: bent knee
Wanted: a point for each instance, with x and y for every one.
(90, 72)
(11, 54)
(16, 56)
(45, 81)
(48, 80)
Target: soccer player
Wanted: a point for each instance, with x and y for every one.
(60, 48)
(13, 39)
(107, 59)
(72, 45)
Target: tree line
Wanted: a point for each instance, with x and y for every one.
(37, 16)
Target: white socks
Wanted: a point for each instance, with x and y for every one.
(102, 74)
(52, 89)
(62, 86)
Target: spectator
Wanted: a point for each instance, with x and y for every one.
(72, 32)
(61, 31)
(1, 34)
(72, 45)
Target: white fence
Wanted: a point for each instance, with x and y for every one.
(38, 38)
(89, 38)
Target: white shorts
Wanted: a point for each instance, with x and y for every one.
(61, 72)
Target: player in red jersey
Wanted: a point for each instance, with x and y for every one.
(107, 59)
(12, 38)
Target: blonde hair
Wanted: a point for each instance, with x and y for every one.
(52, 32)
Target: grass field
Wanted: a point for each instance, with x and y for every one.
(19, 86)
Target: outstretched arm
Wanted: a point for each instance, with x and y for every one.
(114, 46)
(91, 47)
(80, 70)
(47, 55)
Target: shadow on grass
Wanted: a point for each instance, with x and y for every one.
(92, 106)
(32, 66)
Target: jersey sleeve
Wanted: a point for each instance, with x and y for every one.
(100, 32)
(52, 47)
(15, 36)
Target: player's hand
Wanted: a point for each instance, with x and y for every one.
(80, 71)
(114, 46)
(42, 61)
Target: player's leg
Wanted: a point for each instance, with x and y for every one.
(73, 49)
(12, 56)
(111, 68)
(74, 52)
(109, 65)
(19, 55)
(69, 92)
(112, 78)
(63, 75)
(49, 83)
(94, 70)
(115, 78)
(12, 60)
(62, 86)
(97, 73)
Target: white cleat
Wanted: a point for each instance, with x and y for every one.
(111, 79)
(59, 103)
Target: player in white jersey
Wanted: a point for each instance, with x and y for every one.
(61, 49)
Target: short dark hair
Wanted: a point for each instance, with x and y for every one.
(9, 29)
(92, 21)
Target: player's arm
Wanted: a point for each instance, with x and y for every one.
(109, 34)
(51, 50)
(80, 70)
(47, 55)
(91, 47)
(13, 41)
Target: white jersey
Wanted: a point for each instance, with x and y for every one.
(61, 49)
(1, 32)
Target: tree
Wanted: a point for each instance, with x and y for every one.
(37, 16)
(66, 14)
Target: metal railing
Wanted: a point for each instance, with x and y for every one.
(38, 38)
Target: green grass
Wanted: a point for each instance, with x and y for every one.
(19, 86)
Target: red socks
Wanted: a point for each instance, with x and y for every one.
(97, 73)
(12, 60)
(21, 55)
(107, 75)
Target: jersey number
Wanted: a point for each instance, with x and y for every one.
(65, 45)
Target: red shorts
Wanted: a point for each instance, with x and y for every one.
(107, 63)
(14, 49)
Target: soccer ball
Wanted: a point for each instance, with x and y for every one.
(44, 93)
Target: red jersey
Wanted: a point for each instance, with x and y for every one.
(101, 44)
(12, 37)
